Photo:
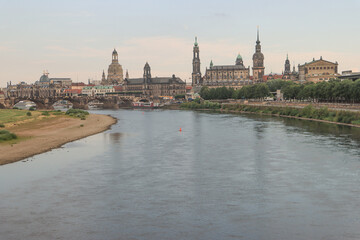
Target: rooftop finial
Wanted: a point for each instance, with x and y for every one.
(258, 34)
(196, 43)
(287, 56)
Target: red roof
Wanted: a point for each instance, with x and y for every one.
(78, 84)
(76, 91)
(188, 87)
(118, 88)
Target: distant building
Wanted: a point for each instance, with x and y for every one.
(258, 61)
(349, 74)
(318, 70)
(234, 76)
(97, 90)
(115, 72)
(155, 86)
(196, 74)
(45, 80)
(288, 74)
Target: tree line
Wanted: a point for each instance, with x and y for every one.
(331, 91)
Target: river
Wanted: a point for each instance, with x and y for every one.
(222, 177)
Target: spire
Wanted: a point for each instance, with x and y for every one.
(127, 74)
(287, 56)
(258, 38)
(196, 43)
(211, 64)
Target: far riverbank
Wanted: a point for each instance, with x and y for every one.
(309, 113)
(43, 135)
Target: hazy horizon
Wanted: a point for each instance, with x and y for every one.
(76, 39)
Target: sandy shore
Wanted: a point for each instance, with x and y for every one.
(44, 135)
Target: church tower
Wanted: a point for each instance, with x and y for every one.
(287, 66)
(258, 61)
(103, 78)
(196, 74)
(147, 73)
(115, 71)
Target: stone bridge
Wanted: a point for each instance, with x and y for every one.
(77, 101)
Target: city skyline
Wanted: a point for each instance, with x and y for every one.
(76, 40)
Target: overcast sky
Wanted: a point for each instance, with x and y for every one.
(76, 38)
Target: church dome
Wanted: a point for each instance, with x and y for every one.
(239, 57)
(44, 78)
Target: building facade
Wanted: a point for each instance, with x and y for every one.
(155, 87)
(258, 61)
(318, 70)
(227, 75)
(196, 73)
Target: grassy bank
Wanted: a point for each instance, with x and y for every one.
(309, 112)
(200, 105)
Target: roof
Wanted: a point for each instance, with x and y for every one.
(229, 67)
(78, 84)
(78, 91)
(155, 80)
(320, 60)
(118, 88)
(98, 87)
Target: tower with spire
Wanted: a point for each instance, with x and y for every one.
(287, 66)
(196, 73)
(258, 61)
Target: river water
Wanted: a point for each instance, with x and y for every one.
(222, 177)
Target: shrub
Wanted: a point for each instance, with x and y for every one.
(6, 135)
(32, 108)
(2, 125)
(77, 113)
(46, 113)
(28, 114)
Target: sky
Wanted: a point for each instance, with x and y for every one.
(76, 38)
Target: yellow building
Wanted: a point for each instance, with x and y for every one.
(318, 70)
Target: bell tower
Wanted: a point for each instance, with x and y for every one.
(258, 61)
(196, 74)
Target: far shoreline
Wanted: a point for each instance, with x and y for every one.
(222, 111)
(45, 136)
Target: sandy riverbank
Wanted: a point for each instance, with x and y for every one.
(43, 135)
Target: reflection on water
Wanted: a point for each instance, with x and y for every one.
(222, 177)
(114, 137)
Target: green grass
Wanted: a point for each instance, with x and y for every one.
(15, 115)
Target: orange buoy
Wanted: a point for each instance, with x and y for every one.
(180, 130)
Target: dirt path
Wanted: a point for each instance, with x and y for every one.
(44, 135)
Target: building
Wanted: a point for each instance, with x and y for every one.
(97, 90)
(45, 80)
(115, 72)
(258, 61)
(234, 76)
(155, 87)
(349, 74)
(196, 74)
(288, 74)
(318, 70)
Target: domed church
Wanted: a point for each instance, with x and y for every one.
(115, 72)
